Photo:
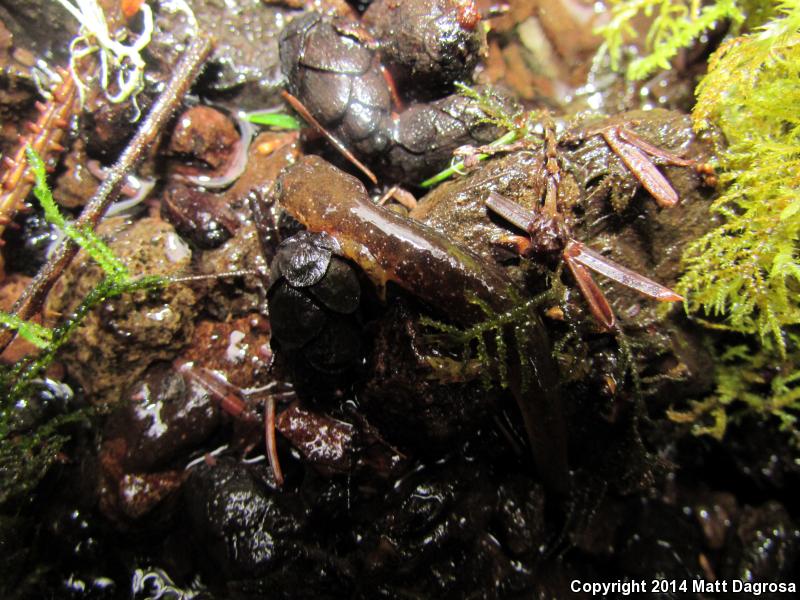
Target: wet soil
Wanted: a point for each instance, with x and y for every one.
(406, 465)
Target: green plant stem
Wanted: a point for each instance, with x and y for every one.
(458, 167)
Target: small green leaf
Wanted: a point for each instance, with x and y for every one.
(274, 120)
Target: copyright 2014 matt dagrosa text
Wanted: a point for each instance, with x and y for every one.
(697, 586)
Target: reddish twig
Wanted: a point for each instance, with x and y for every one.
(269, 436)
(336, 142)
(185, 73)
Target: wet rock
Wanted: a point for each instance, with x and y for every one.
(254, 243)
(649, 240)
(766, 548)
(606, 90)
(154, 583)
(238, 350)
(638, 235)
(99, 587)
(107, 126)
(205, 137)
(27, 244)
(458, 207)
(439, 537)
(6, 40)
(436, 530)
(245, 58)
(416, 402)
(658, 541)
(268, 155)
(120, 339)
(10, 289)
(764, 459)
(201, 217)
(46, 400)
(429, 44)
(146, 439)
(163, 415)
(140, 493)
(76, 532)
(599, 537)
(666, 350)
(546, 51)
(543, 50)
(559, 41)
(25, 19)
(239, 295)
(715, 515)
(242, 522)
(325, 442)
(592, 161)
(77, 184)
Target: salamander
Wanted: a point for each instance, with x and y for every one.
(424, 262)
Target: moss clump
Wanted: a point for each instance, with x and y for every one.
(743, 276)
(747, 270)
(675, 24)
(750, 382)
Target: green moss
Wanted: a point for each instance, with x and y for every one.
(499, 112)
(28, 330)
(750, 382)
(675, 24)
(743, 276)
(747, 270)
(473, 343)
(84, 237)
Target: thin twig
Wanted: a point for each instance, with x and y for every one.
(187, 70)
(269, 436)
(336, 142)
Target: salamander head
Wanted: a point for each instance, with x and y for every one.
(318, 194)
